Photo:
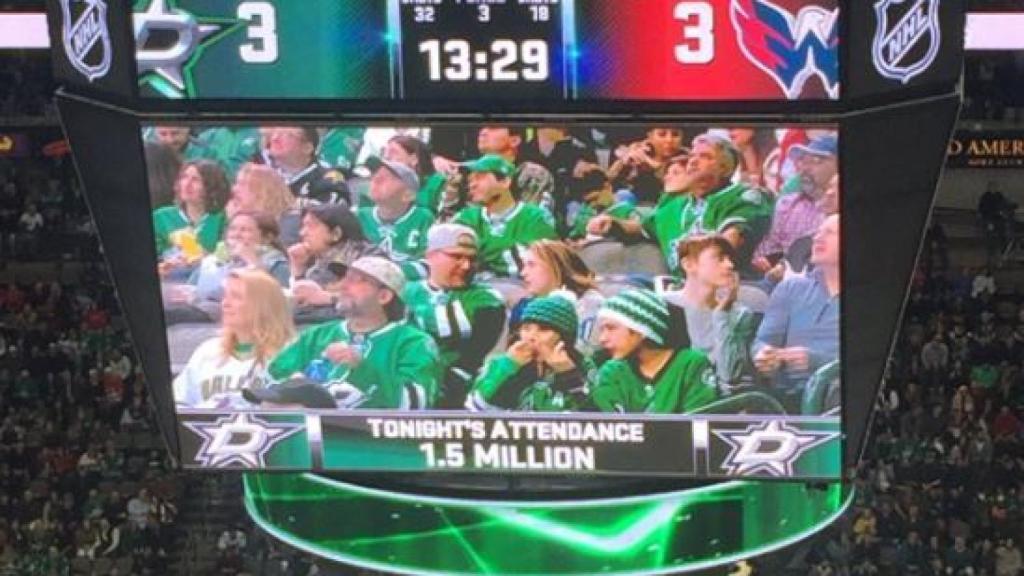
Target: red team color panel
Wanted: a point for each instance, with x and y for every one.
(707, 49)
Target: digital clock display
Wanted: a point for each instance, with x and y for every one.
(489, 49)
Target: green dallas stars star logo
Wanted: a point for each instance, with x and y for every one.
(168, 43)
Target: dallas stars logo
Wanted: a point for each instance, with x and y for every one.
(769, 447)
(168, 40)
(242, 440)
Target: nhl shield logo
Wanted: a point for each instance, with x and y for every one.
(907, 37)
(86, 37)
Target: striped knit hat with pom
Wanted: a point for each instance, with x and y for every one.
(639, 310)
(555, 312)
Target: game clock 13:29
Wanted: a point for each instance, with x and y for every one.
(481, 49)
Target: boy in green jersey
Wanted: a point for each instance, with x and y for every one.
(504, 225)
(598, 198)
(464, 317)
(652, 369)
(542, 371)
(372, 358)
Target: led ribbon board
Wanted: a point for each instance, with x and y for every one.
(671, 532)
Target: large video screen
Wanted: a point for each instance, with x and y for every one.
(655, 300)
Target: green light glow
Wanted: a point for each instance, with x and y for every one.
(646, 534)
(636, 530)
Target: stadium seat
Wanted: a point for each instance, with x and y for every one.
(510, 288)
(745, 403)
(81, 566)
(822, 393)
(610, 258)
(182, 339)
(124, 565)
(102, 566)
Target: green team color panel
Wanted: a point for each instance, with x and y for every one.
(669, 532)
(279, 49)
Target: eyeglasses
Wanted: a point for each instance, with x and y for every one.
(460, 256)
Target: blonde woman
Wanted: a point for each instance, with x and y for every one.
(551, 267)
(259, 188)
(256, 324)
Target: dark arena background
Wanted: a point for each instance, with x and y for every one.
(523, 287)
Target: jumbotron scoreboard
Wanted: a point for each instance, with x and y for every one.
(235, 154)
(553, 51)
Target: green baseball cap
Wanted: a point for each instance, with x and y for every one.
(491, 163)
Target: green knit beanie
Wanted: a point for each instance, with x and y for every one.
(639, 310)
(556, 313)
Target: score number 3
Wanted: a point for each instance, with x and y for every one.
(698, 20)
(262, 32)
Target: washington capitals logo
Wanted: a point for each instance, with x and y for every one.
(907, 37)
(790, 48)
(86, 37)
(771, 447)
(240, 440)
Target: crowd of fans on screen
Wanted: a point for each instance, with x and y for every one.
(262, 229)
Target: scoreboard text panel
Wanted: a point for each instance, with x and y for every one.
(434, 50)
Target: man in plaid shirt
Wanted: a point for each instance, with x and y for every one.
(799, 214)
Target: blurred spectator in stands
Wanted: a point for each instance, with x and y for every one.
(754, 146)
(230, 546)
(162, 167)
(935, 359)
(798, 334)
(174, 137)
(415, 154)
(10, 210)
(532, 183)
(798, 214)
(936, 247)
(640, 166)
(330, 236)
(992, 208)
(292, 151)
(259, 188)
(30, 229)
(984, 283)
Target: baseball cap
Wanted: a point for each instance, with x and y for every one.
(304, 391)
(404, 173)
(491, 163)
(338, 216)
(451, 235)
(825, 145)
(382, 270)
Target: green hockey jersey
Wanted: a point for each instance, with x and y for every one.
(466, 323)
(505, 385)
(586, 213)
(170, 219)
(402, 240)
(399, 370)
(683, 385)
(503, 238)
(679, 216)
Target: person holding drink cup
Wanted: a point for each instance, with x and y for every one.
(370, 357)
(194, 224)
